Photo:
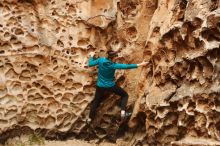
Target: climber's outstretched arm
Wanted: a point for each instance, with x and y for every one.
(144, 63)
(124, 66)
(129, 66)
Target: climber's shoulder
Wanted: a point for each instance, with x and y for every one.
(105, 61)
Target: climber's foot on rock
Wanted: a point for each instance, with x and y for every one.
(125, 114)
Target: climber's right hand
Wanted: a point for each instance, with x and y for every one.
(92, 54)
(144, 63)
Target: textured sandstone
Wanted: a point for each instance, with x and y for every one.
(45, 84)
(182, 97)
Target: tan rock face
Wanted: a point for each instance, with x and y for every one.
(45, 84)
(182, 87)
(44, 79)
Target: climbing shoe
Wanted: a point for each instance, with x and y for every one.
(125, 114)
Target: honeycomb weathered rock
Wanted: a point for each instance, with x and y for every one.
(44, 79)
(182, 97)
(45, 84)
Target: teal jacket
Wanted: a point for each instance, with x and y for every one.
(106, 70)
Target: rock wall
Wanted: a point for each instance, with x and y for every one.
(181, 87)
(45, 81)
(46, 85)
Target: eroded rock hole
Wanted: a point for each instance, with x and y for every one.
(2, 51)
(6, 34)
(60, 43)
(127, 6)
(132, 32)
(26, 1)
(182, 6)
(46, 91)
(82, 42)
(211, 34)
(197, 22)
(70, 38)
(19, 31)
(214, 5)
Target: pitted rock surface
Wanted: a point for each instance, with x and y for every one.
(46, 85)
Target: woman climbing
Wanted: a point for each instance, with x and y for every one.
(106, 72)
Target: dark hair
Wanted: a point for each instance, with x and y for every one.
(111, 54)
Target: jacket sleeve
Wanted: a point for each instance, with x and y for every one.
(124, 66)
(93, 62)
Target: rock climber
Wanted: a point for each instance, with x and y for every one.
(106, 72)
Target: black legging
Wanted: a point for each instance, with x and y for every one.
(99, 98)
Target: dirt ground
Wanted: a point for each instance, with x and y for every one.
(74, 143)
(65, 143)
(36, 140)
